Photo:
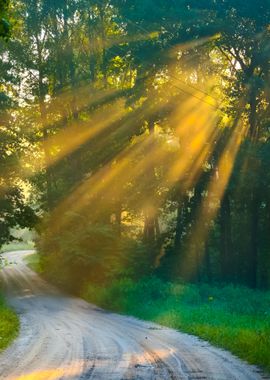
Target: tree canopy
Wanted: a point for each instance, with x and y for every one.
(141, 133)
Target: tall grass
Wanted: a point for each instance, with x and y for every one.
(9, 325)
(236, 318)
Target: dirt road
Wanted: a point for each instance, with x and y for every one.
(66, 338)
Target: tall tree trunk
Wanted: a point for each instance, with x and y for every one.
(157, 227)
(226, 250)
(252, 115)
(253, 259)
(118, 217)
(193, 256)
(149, 231)
(180, 219)
(208, 267)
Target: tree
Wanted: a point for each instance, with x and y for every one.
(147, 122)
(4, 23)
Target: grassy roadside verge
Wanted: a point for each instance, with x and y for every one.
(9, 324)
(21, 246)
(33, 262)
(235, 318)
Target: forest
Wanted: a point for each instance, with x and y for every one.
(135, 138)
(135, 146)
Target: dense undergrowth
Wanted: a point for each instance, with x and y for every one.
(9, 324)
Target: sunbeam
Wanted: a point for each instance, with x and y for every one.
(211, 203)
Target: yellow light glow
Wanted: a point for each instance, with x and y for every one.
(210, 204)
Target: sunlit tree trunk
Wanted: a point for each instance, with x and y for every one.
(151, 225)
(157, 227)
(179, 224)
(118, 218)
(149, 230)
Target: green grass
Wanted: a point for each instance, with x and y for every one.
(33, 262)
(235, 318)
(18, 246)
(9, 325)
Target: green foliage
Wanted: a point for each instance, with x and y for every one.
(137, 199)
(14, 212)
(33, 261)
(93, 253)
(120, 294)
(23, 240)
(236, 318)
(4, 23)
(9, 325)
(17, 246)
(154, 58)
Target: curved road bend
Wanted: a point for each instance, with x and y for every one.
(63, 337)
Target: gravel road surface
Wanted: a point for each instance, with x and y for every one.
(63, 337)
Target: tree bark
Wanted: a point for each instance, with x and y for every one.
(208, 267)
(253, 259)
(149, 232)
(226, 260)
